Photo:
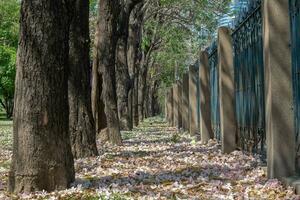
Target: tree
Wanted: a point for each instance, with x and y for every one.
(135, 55)
(174, 30)
(42, 157)
(124, 81)
(97, 82)
(81, 122)
(107, 26)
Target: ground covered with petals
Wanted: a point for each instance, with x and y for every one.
(157, 162)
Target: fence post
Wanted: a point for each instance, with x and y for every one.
(193, 101)
(185, 101)
(278, 88)
(205, 109)
(226, 87)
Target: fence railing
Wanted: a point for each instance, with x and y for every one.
(214, 88)
(295, 47)
(249, 80)
(246, 98)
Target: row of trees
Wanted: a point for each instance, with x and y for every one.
(58, 109)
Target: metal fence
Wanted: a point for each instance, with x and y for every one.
(249, 80)
(295, 45)
(214, 90)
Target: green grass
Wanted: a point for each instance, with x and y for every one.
(5, 132)
(3, 120)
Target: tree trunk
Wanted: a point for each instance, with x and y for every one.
(81, 124)
(97, 100)
(107, 24)
(142, 91)
(123, 79)
(146, 102)
(42, 157)
(135, 55)
(124, 83)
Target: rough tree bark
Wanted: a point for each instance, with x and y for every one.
(153, 104)
(107, 26)
(42, 157)
(142, 90)
(81, 123)
(122, 73)
(135, 55)
(124, 83)
(97, 81)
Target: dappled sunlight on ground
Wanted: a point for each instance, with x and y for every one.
(156, 162)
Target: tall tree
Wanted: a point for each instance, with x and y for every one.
(42, 157)
(97, 81)
(107, 26)
(135, 55)
(81, 122)
(124, 82)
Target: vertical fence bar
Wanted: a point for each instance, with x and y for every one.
(205, 109)
(295, 44)
(249, 81)
(214, 90)
(226, 90)
(278, 85)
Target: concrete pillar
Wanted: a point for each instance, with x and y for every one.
(185, 102)
(226, 90)
(193, 101)
(278, 89)
(205, 109)
(170, 107)
(175, 104)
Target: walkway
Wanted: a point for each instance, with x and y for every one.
(158, 163)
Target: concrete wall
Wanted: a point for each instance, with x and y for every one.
(193, 101)
(278, 88)
(226, 87)
(205, 108)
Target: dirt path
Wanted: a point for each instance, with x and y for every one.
(156, 162)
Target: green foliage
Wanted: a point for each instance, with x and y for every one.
(9, 22)
(183, 27)
(7, 70)
(9, 31)
(178, 30)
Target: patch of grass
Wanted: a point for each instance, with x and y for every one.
(5, 164)
(3, 116)
(175, 138)
(3, 120)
